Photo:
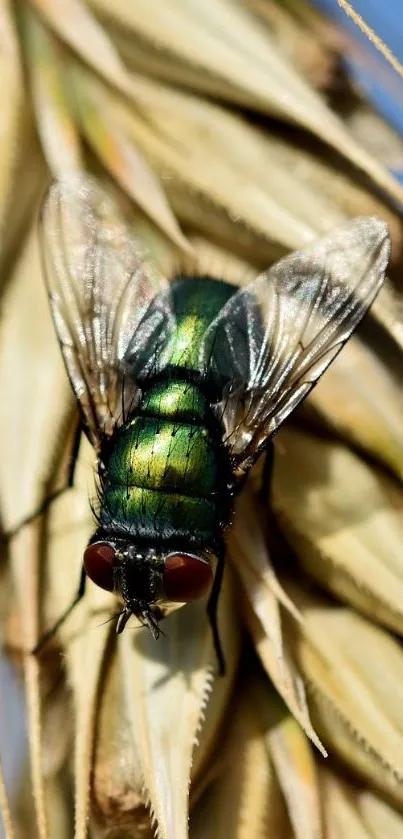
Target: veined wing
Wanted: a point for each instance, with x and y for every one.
(108, 305)
(275, 337)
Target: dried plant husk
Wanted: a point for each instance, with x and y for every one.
(325, 174)
(316, 59)
(58, 803)
(90, 41)
(344, 519)
(51, 90)
(356, 811)
(321, 27)
(376, 135)
(245, 800)
(237, 191)
(249, 178)
(28, 186)
(292, 759)
(237, 59)
(85, 635)
(220, 697)
(173, 679)
(378, 816)
(30, 363)
(117, 801)
(12, 111)
(345, 401)
(353, 672)
(129, 752)
(340, 814)
(48, 80)
(261, 596)
(58, 724)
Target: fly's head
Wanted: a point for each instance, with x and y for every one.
(147, 580)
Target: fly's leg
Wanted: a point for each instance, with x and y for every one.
(267, 476)
(212, 609)
(52, 497)
(56, 626)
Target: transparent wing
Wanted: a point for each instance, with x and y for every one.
(274, 338)
(111, 311)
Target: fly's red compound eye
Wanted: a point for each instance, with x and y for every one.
(186, 577)
(98, 561)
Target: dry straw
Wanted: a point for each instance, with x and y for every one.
(208, 123)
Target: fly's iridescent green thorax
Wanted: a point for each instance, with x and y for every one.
(167, 468)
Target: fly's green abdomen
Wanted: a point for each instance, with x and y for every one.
(166, 476)
(156, 515)
(161, 454)
(163, 472)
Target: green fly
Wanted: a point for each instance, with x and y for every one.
(181, 385)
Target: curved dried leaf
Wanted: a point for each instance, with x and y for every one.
(85, 659)
(121, 157)
(29, 361)
(337, 185)
(85, 635)
(285, 678)
(117, 798)
(85, 36)
(344, 520)
(354, 811)
(251, 559)
(300, 41)
(293, 762)
(58, 804)
(80, 30)
(32, 693)
(340, 815)
(223, 50)
(378, 816)
(388, 311)
(58, 728)
(353, 672)
(263, 594)
(75, 25)
(344, 400)
(28, 189)
(245, 802)
(217, 174)
(11, 109)
(217, 705)
(117, 802)
(167, 682)
(48, 80)
(217, 154)
(223, 176)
